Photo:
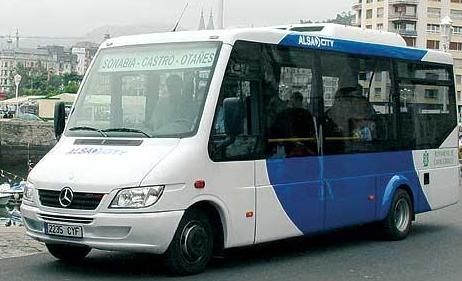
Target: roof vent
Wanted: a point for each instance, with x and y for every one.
(307, 28)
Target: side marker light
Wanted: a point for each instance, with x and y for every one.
(199, 184)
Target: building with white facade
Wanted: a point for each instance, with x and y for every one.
(64, 60)
(56, 60)
(80, 66)
(84, 53)
(418, 22)
(33, 59)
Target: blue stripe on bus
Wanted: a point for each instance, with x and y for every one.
(340, 198)
(353, 47)
(297, 182)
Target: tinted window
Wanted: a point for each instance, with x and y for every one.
(273, 87)
(235, 131)
(289, 100)
(427, 98)
(279, 102)
(358, 105)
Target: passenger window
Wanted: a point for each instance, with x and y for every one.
(358, 105)
(288, 102)
(427, 98)
(235, 128)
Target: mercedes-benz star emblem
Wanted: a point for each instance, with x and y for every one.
(66, 196)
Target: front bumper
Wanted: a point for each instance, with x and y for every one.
(145, 232)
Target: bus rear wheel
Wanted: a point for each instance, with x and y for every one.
(192, 246)
(397, 224)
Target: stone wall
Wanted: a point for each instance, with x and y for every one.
(22, 141)
(26, 133)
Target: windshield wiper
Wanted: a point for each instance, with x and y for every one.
(126, 130)
(84, 128)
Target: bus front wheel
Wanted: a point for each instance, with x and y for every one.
(397, 224)
(192, 246)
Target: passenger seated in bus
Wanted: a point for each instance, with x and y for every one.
(292, 133)
(173, 110)
(271, 93)
(296, 100)
(230, 138)
(353, 115)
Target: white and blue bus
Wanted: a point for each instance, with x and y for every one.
(187, 143)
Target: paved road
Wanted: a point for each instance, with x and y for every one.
(15, 243)
(432, 252)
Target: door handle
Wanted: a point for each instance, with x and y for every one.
(328, 188)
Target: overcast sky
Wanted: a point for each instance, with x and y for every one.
(78, 17)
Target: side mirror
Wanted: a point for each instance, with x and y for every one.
(59, 119)
(233, 116)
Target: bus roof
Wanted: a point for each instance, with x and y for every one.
(329, 37)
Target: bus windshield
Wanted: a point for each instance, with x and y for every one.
(145, 91)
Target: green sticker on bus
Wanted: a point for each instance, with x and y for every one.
(426, 159)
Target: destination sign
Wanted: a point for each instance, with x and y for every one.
(158, 60)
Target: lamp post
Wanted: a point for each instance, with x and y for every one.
(446, 35)
(17, 81)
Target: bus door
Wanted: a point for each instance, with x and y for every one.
(290, 199)
(357, 133)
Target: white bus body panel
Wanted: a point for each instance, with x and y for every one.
(272, 221)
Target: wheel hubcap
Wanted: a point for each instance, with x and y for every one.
(402, 215)
(194, 240)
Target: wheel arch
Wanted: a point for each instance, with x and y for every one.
(219, 218)
(396, 183)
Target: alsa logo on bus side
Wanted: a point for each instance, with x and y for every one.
(315, 41)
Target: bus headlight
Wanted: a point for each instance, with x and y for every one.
(140, 197)
(28, 194)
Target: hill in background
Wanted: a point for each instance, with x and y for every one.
(96, 35)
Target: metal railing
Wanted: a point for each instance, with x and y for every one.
(395, 2)
(402, 17)
(405, 32)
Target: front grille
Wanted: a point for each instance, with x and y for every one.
(67, 219)
(81, 201)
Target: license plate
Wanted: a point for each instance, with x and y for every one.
(63, 230)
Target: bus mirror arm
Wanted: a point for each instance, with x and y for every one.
(59, 119)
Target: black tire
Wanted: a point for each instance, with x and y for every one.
(192, 246)
(67, 253)
(397, 225)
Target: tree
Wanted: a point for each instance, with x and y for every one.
(39, 81)
(72, 87)
(344, 18)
